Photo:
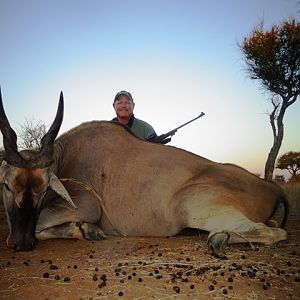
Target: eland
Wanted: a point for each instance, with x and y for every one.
(99, 180)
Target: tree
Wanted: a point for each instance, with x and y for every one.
(289, 161)
(273, 57)
(31, 133)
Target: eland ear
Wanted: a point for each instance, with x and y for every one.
(59, 188)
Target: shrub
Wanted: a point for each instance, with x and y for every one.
(292, 191)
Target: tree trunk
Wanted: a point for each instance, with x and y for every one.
(270, 163)
(277, 140)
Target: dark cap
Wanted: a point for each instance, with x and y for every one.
(127, 94)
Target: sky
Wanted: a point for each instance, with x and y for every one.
(178, 58)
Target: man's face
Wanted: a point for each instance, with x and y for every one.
(124, 107)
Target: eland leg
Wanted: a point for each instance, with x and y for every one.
(72, 230)
(226, 224)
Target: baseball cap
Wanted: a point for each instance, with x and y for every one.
(125, 93)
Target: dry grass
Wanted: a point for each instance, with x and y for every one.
(292, 191)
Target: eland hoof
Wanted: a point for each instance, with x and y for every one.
(92, 232)
(217, 242)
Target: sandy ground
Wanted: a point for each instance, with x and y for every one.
(150, 268)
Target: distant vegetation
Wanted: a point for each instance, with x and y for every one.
(289, 161)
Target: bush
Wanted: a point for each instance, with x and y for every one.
(292, 191)
(279, 178)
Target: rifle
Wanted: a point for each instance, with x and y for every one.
(166, 137)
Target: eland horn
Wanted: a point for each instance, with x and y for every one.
(11, 154)
(47, 142)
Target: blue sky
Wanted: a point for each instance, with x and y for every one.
(177, 58)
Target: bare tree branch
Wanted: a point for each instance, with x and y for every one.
(31, 133)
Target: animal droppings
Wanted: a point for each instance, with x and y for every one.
(251, 274)
(102, 284)
(103, 277)
(179, 274)
(53, 267)
(95, 277)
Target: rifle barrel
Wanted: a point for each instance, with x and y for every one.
(201, 115)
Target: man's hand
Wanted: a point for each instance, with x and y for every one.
(161, 139)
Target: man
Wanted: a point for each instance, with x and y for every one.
(124, 106)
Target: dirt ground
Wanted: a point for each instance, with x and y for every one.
(150, 268)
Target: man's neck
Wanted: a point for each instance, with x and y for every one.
(123, 121)
(126, 121)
